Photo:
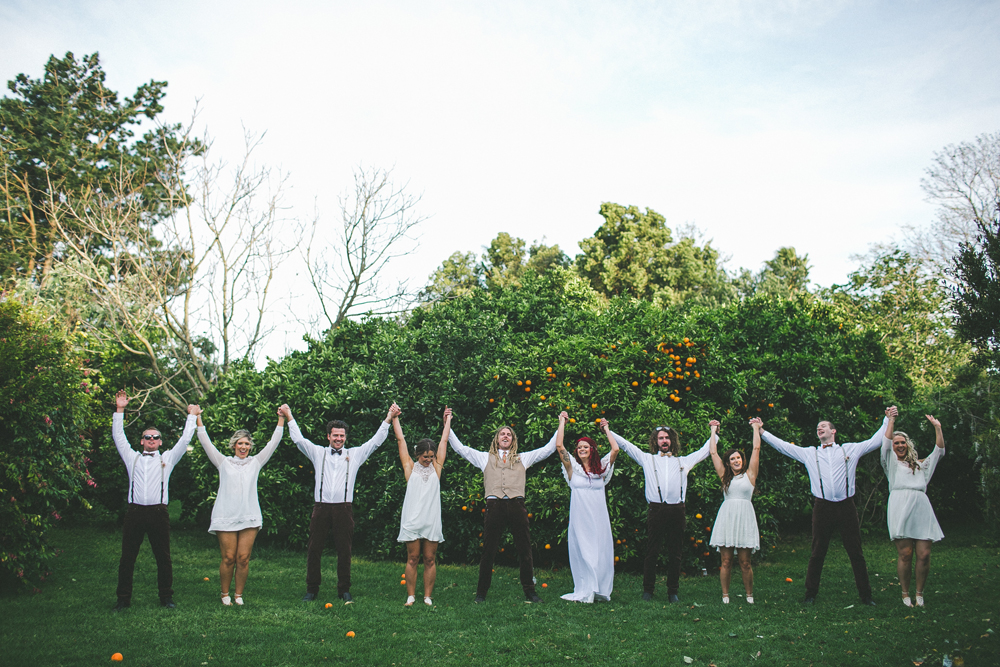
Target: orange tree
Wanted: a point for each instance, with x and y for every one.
(47, 397)
(518, 356)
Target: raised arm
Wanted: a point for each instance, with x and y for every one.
(118, 427)
(404, 452)
(362, 453)
(754, 466)
(890, 427)
(442, 449)
(786, 448)
(279, 431)
(874, 442)
(564, 456)
(473, 456)
(938, 433)
(713, 448)
(213, 454)
(613, 454)
(629, 448)
(180, 449)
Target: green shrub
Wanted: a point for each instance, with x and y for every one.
(46, 402)
(789, 362)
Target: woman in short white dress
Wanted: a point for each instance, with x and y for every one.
(420, 521)
(591, 547)
(736, 524)
(236, 516)
(912, 524)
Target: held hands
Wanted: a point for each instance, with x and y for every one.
(447, 414)
(394, 412)
(285, 411)
(757, 424)
(194, 410)
(605, 426)
(892, 412)
(714, 426)
(563, 418)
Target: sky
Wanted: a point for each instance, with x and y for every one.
(763, 124)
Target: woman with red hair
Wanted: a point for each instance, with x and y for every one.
(591, 547)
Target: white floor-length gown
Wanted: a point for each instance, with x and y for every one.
(591, 546)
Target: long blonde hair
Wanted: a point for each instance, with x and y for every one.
(911, 458)
(513, 457)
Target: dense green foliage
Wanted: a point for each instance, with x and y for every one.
(518, 356)
(43, 467)
(976, 296)
(67, 135)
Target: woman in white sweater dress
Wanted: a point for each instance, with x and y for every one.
(236, 516)
(420, 522)
(912, 524)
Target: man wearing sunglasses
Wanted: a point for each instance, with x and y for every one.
(148, 482)
(666, 488)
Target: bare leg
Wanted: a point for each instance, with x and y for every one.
(412, 559)
(430, 567)
(227, 545)
(747, 569)
(904, 561)
(244, 545)
(923, 563)
(726, 570)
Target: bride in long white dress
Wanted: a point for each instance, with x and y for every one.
(591, 546)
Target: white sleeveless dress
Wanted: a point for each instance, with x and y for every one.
(736, 524)
(909, 512)
(591, 546)
(421, 516)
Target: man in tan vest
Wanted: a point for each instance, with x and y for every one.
(503, 480)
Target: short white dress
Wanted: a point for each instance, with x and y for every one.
(591, 546)
(236, 505)
(910, 515)
(421, 517)
(736, 523)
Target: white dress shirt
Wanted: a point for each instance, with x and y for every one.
(336, 470)
(666, 476)
(149, 474)
(480, 459)
(832, 468)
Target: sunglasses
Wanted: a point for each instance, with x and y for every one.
(661, 428)
(150, 437)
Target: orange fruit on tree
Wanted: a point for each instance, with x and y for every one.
(697, 516)
(527, 382)
(545, 585)
(465, 507)
(572, 421)
(491, 400)
(593, 405)
(548, 546)
(117, 657)
(549, 369)
(519, 383)
(616, 559)
(527, 388)
(635, 384)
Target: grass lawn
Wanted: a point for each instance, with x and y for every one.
(70, 622)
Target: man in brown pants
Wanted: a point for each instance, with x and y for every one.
(503, 481)
(148, 495)
(832, 470)
(336, 469)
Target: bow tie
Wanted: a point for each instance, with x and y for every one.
(149, 453)
(830, 445)
(338, 452)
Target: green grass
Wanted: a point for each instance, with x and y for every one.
(70, 622)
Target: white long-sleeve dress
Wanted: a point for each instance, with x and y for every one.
(591, 546)
(236, 505)
(909, 512)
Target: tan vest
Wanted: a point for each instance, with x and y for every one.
(503, 479)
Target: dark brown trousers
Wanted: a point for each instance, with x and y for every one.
(664, 522)
(501, 514)
(337, 518)
(142, 520)
(829, 516)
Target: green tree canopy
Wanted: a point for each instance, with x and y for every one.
(976, 296)
(66, 135)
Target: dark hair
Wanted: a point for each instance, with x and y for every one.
(594, 460)
(727, 476)
(336, 423)
(675, 443)
(425, 445)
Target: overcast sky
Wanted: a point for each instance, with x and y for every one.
(764, 124)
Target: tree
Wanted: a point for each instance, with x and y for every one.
(457, 276)
(786, 275)
(633, 254)
(894, 295)
(192, 298)
(976, 294)
(67, 136)
(377, 218)
(964, 181)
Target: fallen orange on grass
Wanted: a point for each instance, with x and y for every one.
(206, 578)
(545, 585)
(117, 657)
(350, 633)
(788, 579)
(328, 605)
